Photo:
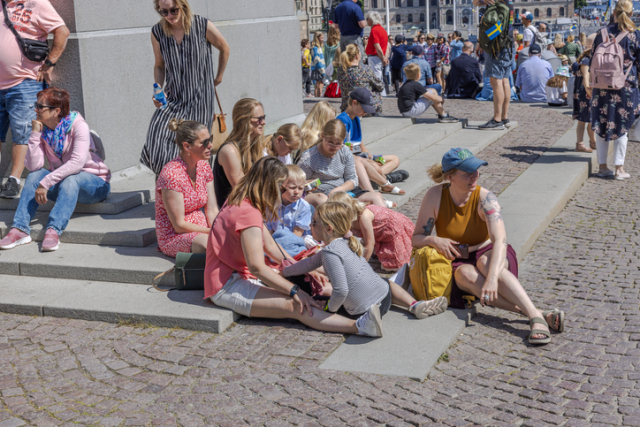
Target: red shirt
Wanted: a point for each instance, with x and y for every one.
(224, 249)
(378, 35)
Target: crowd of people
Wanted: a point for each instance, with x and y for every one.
(289, 221)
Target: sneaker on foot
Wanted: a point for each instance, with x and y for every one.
(14, 238)
(10, 189)
(51, 241)
(492, 125)
(424, 309)
(506, 123)
(447, 119)
(370, 323)
(622, 176)
(604, 173)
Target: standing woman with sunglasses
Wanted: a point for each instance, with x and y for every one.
(183, 57)
(183, 189)
(244, 146)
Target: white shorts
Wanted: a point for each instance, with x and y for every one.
(419, 107)
(238, 294)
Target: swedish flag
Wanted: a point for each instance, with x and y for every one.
(494, 31)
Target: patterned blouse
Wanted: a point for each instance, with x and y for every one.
(357, 76)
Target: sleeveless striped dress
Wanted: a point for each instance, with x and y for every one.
(189, 90)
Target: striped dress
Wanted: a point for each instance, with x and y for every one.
(189, 90)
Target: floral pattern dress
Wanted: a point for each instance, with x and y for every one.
(581, 104)
(392, 231)
(613, 112)
(357, 76)
(174, 176)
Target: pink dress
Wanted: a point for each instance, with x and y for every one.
(392, 232)
(174, 176)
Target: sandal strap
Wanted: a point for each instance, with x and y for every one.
(539, 331)
(538, 320)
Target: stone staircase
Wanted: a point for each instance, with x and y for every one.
(115, 241)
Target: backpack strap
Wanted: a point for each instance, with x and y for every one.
(605, 35)
(621, 36)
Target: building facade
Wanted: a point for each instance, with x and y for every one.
(309, 13)
(303, 15)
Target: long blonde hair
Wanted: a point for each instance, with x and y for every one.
(311, 129)
(333, 38)
(251, 149)
(187, 17)
(334, 129)
(261, 185)
(316, 40)
(583, 39)
(291, 135)
(339, 216)
(557, 42)
(348, 56)
(623, 12)
(437, 175)
(342, 197)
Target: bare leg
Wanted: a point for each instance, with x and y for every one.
(592, 136)
(364, 180)
(316, 199)
(399, 296)
(271, 304)
(498, 98)
(506, 87)
(373, 173)
(391, 163)
(199, 244)
(374, 198)
(438, 107)
(580, 132)
(18, 153)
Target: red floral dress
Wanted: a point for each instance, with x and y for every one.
(174, 176)
(393, 232)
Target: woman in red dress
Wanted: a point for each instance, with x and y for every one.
(184, 187)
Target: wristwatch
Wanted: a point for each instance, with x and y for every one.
(294, 290)
(49, 63)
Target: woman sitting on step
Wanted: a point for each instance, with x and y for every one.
(184, 187)
(470, 232)
(75, 174)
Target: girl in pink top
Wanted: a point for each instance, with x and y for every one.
(75, 174)
(236, 276)
(183, 189)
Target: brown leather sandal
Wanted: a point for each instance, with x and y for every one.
(580, 147)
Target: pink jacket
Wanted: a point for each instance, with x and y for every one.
(76, 155)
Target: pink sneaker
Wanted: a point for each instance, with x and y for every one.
(14, 238)
(51, 241)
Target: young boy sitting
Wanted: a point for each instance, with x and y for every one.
(382, 173)
(294, 225)
(414, 98)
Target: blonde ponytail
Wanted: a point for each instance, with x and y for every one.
(342, 197)
(435, 173)
(348, 56)
(623, 12)
(291, 135)
(339, 216)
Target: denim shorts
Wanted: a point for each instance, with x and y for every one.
(498, 68)
(17, 110)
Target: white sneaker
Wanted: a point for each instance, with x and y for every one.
(424, 309)
(370, 323)
(622, 176)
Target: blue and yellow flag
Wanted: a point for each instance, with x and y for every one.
(494, 31)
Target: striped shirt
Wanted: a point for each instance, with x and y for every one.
(332, 171)
(355, 285)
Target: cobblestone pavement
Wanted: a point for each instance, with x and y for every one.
(70, 372)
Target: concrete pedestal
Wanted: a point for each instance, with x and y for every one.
(108, 65)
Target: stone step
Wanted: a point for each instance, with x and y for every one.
(127, 192)
(432, 149)
(119, 264)
(134, 227)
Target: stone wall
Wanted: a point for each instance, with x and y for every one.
(108, 65)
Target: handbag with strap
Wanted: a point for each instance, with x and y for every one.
(188, 272)
(219, 131)
(33, 50)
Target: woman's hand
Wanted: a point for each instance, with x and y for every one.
(446, 247)
(304, 300)
(157, 103)
(320, 277)
(36, 126)
(589, 92)
(41, 195)
(489, 289)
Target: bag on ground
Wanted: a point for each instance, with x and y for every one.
(494, 29)
(333, 90)
(430, 274)
(607, 63)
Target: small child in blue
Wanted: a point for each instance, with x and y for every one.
(295, 214)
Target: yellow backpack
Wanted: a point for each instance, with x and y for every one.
(430, 274)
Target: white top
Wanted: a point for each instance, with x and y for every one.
(528, 34)
(284, 159)
(554, 94)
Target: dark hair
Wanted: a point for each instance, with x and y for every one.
(304, 42)
(57, 98)
(457, 33)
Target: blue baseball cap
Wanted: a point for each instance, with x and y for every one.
(461, 158)
(528, 16)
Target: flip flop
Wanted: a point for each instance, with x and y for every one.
(395, 190)
(539, 341)
(555, 313)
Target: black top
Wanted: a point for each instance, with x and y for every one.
(221, 183)
(464, 77)
(408, 94)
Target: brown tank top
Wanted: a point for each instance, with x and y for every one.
(461, 223)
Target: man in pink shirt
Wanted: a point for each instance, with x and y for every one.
(22, 79)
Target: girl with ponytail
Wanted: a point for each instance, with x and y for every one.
(287, 139)
(352, 75)
(613, 112)
(356, 287)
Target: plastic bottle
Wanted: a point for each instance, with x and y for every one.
(158, 94)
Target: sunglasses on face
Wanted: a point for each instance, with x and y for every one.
(173, 11)
(208, 141)
(261, 119)
(41, 107)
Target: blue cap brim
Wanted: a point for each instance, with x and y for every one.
(369, 109)
(471, 164)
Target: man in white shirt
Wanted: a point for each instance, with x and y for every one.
(529, 32)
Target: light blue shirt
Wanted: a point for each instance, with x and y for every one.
(456, 49)
(296, 214)
(425, 70)
(532, 79)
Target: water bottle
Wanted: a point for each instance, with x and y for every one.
(158, 94)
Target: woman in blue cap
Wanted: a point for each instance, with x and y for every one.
(469, 231)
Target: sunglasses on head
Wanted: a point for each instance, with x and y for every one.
(173, 11)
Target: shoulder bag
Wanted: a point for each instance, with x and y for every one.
(33, 50)
(219, 131)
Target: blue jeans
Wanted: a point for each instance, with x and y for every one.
(437, 87)
(82, 187)
(17, 110)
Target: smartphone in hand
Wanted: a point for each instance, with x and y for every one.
(463, 249)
